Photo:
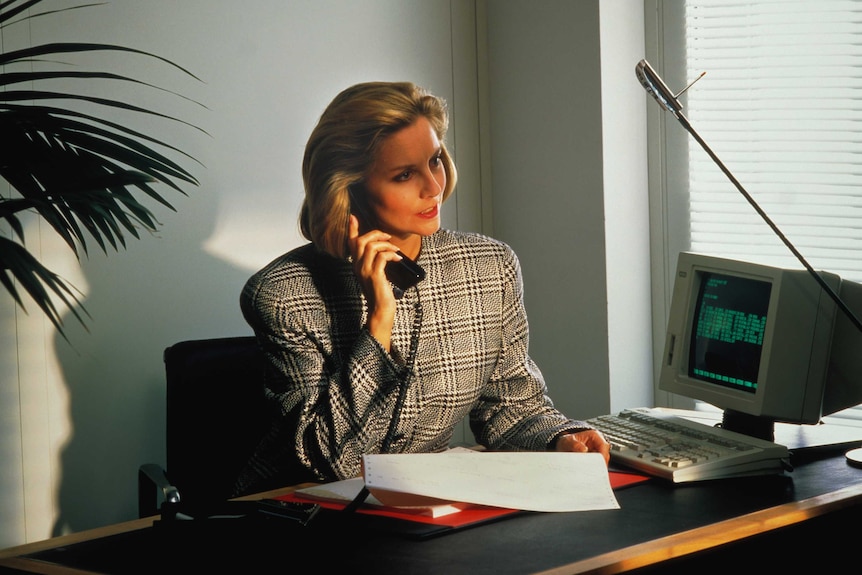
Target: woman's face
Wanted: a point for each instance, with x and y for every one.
(405, 185)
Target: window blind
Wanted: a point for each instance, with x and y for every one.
(781, 105)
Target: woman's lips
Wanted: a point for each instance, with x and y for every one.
(430, 212)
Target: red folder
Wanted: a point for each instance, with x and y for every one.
(470, 515)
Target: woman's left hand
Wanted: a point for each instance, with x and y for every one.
(584, 441)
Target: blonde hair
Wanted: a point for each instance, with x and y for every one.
(343, 146)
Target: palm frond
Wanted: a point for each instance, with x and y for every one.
(78, 47)
(77, 171)
(17, 264)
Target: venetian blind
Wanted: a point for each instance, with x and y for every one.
(782, 108)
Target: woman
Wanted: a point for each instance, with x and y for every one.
(357, 366)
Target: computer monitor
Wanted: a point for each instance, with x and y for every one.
(764, 344)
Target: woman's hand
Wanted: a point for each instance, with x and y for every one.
(371, 252)
(584, 441)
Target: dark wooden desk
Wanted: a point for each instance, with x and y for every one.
(751, 523)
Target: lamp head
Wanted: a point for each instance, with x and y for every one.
(656, 87)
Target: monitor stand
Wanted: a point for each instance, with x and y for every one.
(751, 425)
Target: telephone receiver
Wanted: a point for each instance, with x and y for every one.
(405, 273)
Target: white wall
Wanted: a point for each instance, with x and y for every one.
(626, 202)
(525, 77)
(570, 192)
(546, 161)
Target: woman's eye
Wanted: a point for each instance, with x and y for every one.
(403, 176)
(436, 161)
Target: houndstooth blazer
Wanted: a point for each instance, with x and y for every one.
(459, 349)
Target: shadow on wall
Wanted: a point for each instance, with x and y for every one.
(159, 291)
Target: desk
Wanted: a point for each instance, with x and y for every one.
(759, 522)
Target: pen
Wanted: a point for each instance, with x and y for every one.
(358, 500)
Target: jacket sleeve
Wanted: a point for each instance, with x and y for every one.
(514, 411)
(334, 400)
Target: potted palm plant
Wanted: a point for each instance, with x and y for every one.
(85, 176)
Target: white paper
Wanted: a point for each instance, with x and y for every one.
(532, 481)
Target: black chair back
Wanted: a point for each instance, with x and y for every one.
(216, 414)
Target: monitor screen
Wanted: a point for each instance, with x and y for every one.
(757, 341)
(727, 336)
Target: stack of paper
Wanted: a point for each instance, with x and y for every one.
(531, 481)
(437, 484)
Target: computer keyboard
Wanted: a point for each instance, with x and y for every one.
(680, 450)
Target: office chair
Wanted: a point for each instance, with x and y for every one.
(216, 415)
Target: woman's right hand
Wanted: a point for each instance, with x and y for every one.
(371, 252)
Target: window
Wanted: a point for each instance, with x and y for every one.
(781, 105)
